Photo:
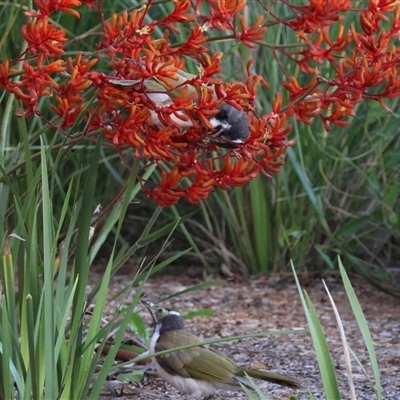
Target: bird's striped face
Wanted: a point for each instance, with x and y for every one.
(231, 125)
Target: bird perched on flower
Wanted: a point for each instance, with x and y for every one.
(229, 125)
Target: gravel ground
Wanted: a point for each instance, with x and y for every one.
(272, 303)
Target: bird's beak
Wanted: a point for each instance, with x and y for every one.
(148, 304)
(151, 307)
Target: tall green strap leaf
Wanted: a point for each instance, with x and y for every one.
(48, 267)
(324, 359)
(363, 325)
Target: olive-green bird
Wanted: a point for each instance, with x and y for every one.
(198, 371)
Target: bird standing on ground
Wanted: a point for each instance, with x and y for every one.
(198, 371)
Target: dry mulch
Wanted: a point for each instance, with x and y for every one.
(272, 303)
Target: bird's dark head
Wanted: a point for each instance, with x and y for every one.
(165, 319)
(231, 126)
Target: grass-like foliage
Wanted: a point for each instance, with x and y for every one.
(50, 346)
(332, 389)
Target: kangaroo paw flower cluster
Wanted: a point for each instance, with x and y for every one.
(200, 131)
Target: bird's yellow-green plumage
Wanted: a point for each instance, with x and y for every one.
(206, 364)
(196, 362)
(200, 369)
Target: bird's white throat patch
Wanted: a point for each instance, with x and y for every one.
(224, 125)
(194, 387)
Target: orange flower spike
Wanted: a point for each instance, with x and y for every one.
(138, 114)
(194, 43)
(67, 111)
(78, 82)
(165, 198)
(84, 65)
(240, 167)
(199, 190)
(293, 86)
(27, 99)
(43, 37)
(166, 69)
(223, 11)
(227, 164)
(277, 103)
(268, 167)
(41, 71)
(5, 72)
(179, 14)
(249, 36)
(381, 6)
(249, 66)
(212, 63)
(343, 43)
(165, 73)
(252, 83)
(39, 79)
(136, 141)
(367, 44)
(383, 41)
(230, 175)
(205, 96)
(340, 31)
(115, 22)
(131, 140)
(137, 17)
(74, 73)
(171, 179)
(184, 100)
(46, 7)
(56, 67)
(155, 152)
(62, 107)
(149, 65)
(238, 90)
(29, 69)
(113, 31)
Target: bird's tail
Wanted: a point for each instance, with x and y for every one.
(271, 377)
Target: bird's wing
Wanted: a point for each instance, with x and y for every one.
(162, 90)
(186, 363)
(181, 79)
(174, 363)
(159, 91)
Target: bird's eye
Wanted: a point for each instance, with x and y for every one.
(222, 115)
(160, 311)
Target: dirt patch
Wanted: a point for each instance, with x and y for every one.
(270, 303)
